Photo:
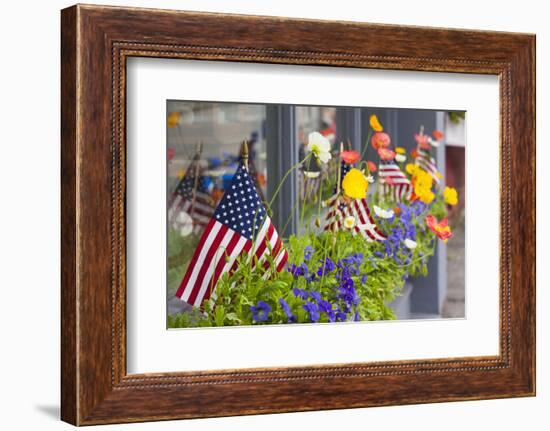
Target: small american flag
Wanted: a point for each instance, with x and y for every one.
(191, 196)
(395, 182)
(427, 162)
(359, 209)
(240, 226)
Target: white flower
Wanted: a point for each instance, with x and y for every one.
(410, 244)
(382, 213)
(311, 174)
(400, 158)
(349, 222)
(433, 142)
(369, 178)
(319, 146)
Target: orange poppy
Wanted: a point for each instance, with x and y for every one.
(350, 157)
(441, 229)
(422, 141)
(380, 140)
(372, 166)
(386, 153)
(437, 134)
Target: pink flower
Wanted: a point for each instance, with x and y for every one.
(437, 134)
(372, 166)
(386, 154)
(422, 141)
(350, 157)
(380, 140)
(441, 229)
(171, 153)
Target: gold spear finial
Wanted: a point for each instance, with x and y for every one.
(244, 153)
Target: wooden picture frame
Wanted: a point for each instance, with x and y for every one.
(95, 43)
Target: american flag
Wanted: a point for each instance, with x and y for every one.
(358, 208)
(240, 226)
(191, 196)
(427, 162)
(395, 182)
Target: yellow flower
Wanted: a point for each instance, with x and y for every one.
(174, 119)
(375, 124)
(450, 195)
(412, 169)
(355, 185)
(400, 150)
(423, 182)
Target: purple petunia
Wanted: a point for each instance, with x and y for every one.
(326, 307)
(326, 267)
(341, 315)
(300, 293)
(308, 252)
(313, 311)
(286, 308)
(315, 295)
(260, 312)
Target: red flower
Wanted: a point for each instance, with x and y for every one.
(422, 141)
(386, 154)
(414, 153)
(397, 210)
(171, 153)
(350, 157)
(441, 229)
(437, 134)
(372, 166)
(380, 140)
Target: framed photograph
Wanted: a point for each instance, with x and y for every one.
(268, 215)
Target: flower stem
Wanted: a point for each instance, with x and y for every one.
(278, 189)
(364, 152)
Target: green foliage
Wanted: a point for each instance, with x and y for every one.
(378, 281)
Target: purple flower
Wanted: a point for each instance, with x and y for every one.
(341, 316)
(260, 312)
(327, 266)
(286, 308)
(349, 296)
(300, 293)
(356, 317)
(308, 251)
(316, 296)
(313, 311)
(301, 271)
(326, 307)
(364, 279)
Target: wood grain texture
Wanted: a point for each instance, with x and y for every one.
(96, 41)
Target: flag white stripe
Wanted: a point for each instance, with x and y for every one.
(204, 252)
(228, 265)
(220, 254)
(261, 235)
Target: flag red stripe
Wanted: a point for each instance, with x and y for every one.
(206, 263)
(194, 260)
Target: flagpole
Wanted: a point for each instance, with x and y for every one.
(198, 152)
(340, 166)
(244, 154)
